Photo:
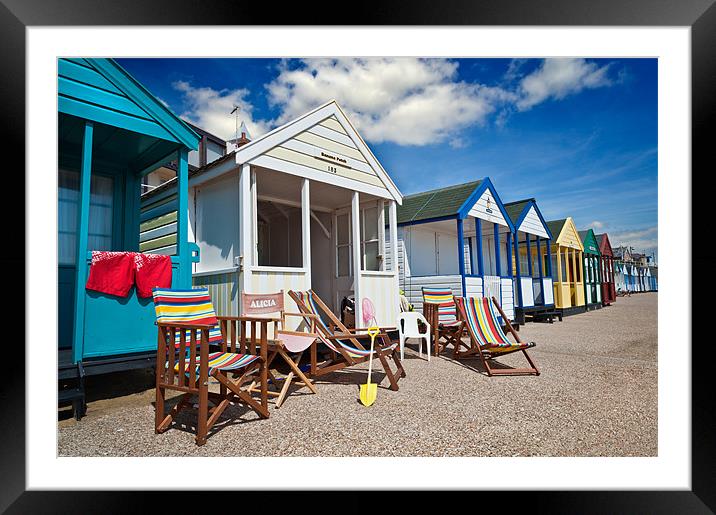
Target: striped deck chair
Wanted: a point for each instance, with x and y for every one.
(440, 312)
(487, 338)
(345, 345)
(187, 327)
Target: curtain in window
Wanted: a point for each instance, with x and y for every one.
(100, 215)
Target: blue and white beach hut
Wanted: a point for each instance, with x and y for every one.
(457, 238)
(532, 269)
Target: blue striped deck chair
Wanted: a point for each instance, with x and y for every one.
(487, 339)
(347, 348)
(440, 312)
(187, 327)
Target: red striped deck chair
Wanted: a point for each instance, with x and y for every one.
(187, 327)
(287, 345)
(440, 312)
(344, 344)
(487, 338)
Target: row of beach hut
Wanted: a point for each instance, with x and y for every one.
(305, 206)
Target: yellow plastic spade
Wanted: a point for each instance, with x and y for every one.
(368, 391)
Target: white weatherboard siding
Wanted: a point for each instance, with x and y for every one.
(412, 286)
(480, 209)
(532, 224)
(527, 292)
(507, 297)
(381, 290)
(473, 285)
(548, 289)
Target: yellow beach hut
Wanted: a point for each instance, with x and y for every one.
(567, 256)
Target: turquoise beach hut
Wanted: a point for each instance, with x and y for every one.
(111, 133)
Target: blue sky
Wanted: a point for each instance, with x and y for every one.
(579, 135)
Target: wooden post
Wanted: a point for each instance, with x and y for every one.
(498, 267)
(539, 260)
(357, 252)
(393, 222)
(529, 256)
(461, 255)
(83, 208)
(517, 269)
(306, 229)
(245, 224)
(254, 219)
(183, 219)
(559, 264)
(478, 237)
(509, 254)
(548, 256)
(381, 233)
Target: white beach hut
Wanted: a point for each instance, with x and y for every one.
(301, 207)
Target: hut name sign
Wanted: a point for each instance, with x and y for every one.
(332, 158)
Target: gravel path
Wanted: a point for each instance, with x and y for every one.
(597, 396)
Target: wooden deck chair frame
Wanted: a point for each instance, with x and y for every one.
(259, 305)
(484, 353)
(171, 377)
(341, 358)
(451, 334)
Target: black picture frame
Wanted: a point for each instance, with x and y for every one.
(700, 15)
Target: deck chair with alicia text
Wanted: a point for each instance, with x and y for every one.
(287, 345)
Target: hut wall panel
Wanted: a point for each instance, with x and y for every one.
(548, 290)
(382, 290)
(223, 290)
(412, 286)
(527, 292)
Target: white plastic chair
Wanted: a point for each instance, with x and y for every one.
(408, 328)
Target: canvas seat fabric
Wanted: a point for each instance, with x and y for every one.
(307, 299)
(194, 307)
(483, 321)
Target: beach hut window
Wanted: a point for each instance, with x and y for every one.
(100, 215)
(279, 234)
(343, 245)
(371, 240)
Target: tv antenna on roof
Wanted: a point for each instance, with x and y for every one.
(236, 110)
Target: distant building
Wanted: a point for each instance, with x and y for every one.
(211, 148)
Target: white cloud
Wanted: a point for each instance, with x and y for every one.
(643, 240)
(210, 109)
(407, 101)
(596, 224)
(558, 78)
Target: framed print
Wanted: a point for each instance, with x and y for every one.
(256, 226)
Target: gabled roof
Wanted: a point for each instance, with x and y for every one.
(605, 246)
(589, 240)
(293, 128)
(565, 233)
(518, 210)
(439, 203)
(100, 90)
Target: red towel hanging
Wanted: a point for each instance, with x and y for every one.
(111, 273)
(114, 273)
(152, 271)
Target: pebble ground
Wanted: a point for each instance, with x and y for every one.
(596, 396)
